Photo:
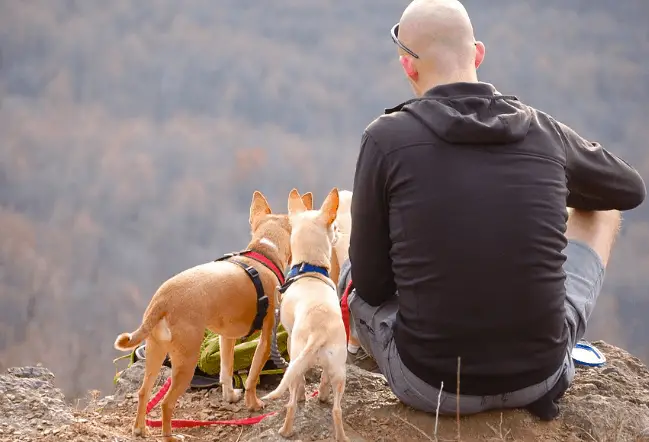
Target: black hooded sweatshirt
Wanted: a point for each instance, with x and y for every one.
(460, 206)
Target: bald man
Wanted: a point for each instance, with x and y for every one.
(462, 246)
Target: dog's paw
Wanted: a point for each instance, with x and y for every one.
(140, 432)
(175, 438)
(232, 396)
(286, 432)
(254, 404)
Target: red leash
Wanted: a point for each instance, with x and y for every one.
(188, 423)
(344, 307)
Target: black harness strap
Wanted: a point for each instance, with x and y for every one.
(262, 299)
(292, 279)
(286, 285)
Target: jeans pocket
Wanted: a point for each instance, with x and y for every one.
(385, 333)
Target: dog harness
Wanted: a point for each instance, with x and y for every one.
(253, 274)
(305, 270)
(298, 271)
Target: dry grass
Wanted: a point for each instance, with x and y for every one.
(500, 434)
(88, 402)
(415, 427)
(439, 401)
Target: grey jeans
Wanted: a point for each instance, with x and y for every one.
(374, 328)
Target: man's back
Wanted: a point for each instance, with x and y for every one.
(475, 188)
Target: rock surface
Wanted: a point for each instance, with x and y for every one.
(604, 404)
(610, 403)
(30, 405)
(129, 381)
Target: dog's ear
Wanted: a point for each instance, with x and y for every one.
(295, 204)
(307, 199)
(259, 207)
(329, 208)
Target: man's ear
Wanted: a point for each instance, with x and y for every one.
(409, 68)
(295, 204)
(259, 207)
(329, 208)
(307, 199)
(479, 53)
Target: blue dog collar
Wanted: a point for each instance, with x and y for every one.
(300, 269)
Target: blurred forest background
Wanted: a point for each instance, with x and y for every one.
(133, 133)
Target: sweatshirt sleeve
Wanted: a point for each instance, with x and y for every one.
(370, 243)
(598, 179)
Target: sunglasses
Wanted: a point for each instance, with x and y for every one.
(395, 38)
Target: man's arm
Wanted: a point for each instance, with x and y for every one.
(598, 179)
(369, 246)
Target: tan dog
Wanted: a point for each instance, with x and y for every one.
(341, 248)
(334, 274)
(344, 225)
(222, 297)
(310, 312)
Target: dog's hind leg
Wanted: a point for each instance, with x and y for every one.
(226, 348)
(323, 389)
(262, 352)
(155, 355)
(338, 384)
(291, 408)
(301, 389)
(183, 364)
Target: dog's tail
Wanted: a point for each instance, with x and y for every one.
(298, 366)
(152, 318)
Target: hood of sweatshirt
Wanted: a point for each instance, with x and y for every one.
(470, 113)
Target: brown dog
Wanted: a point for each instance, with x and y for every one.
(310, 311)
(223, 297)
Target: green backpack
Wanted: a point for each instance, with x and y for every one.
(206, 374)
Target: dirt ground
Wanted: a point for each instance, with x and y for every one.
(604, 404)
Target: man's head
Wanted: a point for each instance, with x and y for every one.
(436, 44)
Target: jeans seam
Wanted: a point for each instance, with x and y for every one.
(420, 397)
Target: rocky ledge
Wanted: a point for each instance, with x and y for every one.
(610, 403)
